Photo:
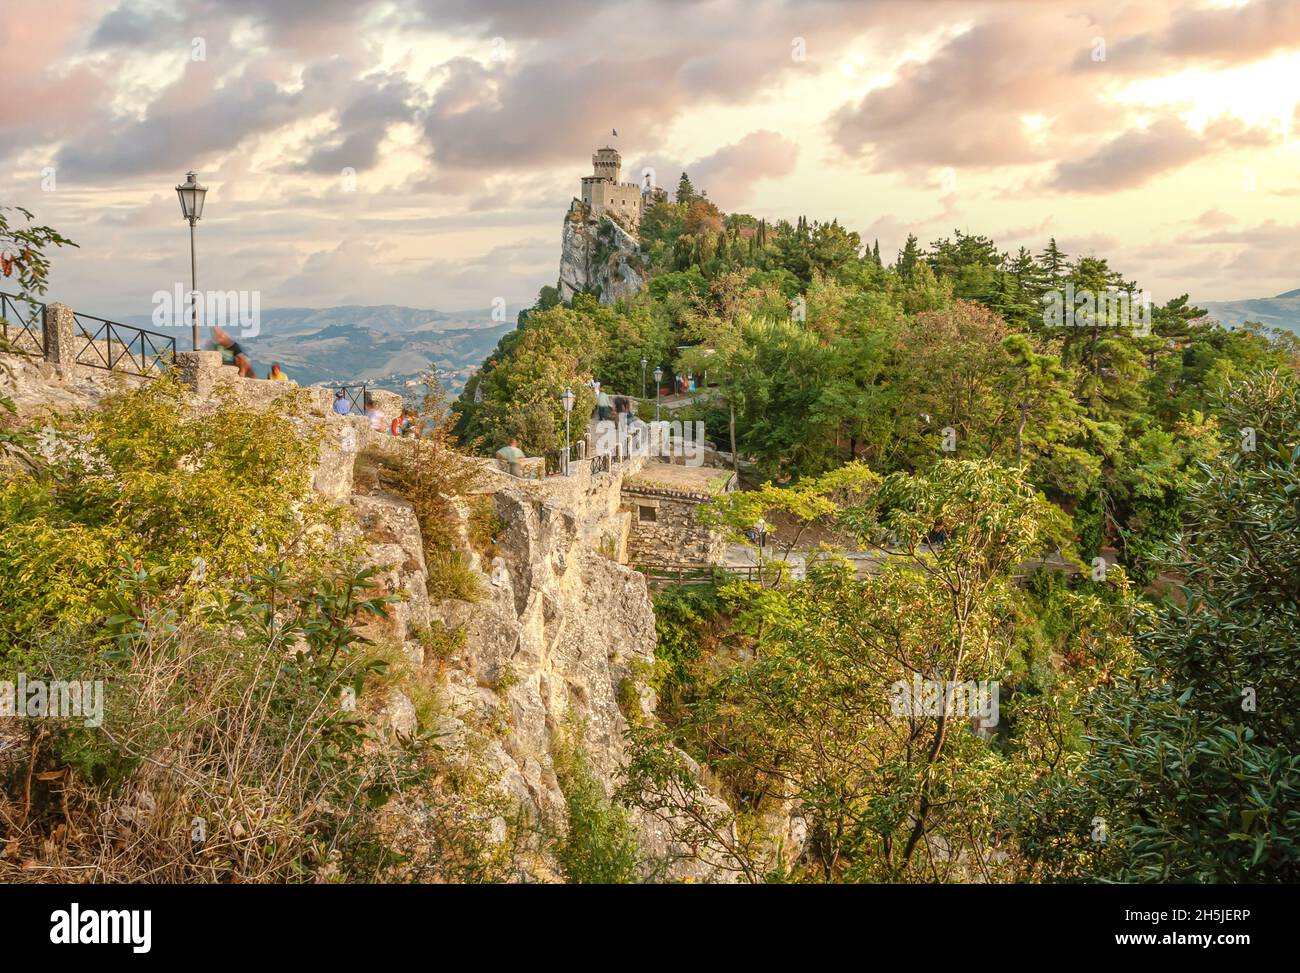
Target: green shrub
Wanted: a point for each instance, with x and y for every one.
(599, 845)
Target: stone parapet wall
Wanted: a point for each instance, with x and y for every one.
(587, 496)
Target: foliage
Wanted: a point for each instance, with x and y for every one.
(23, 246)
(599, 844)
(1192, 773)
(145, 484)
(808, 717)
(433, 475)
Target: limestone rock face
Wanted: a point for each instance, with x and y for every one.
(560, 640)
(559, 636)
(600, 256)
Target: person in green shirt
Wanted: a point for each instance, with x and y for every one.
(512, 455)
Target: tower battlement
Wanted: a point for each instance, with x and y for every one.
(605, 195)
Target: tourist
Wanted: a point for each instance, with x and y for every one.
(232, 354)
(373, 414)
(512, 455)
(602, 405)
(341, 404)
(403, 425)
(277, 373)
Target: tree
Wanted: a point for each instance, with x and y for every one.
(953, 372)
(809, 717)
(23, 248)
(1053, 264)
(702, 218)
(685, 191)
(908, 258)
(1193, 773)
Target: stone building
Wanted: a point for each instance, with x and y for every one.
(604, 195)
(662, 501)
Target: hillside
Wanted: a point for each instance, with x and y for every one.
(387, 345)
(1281, 312)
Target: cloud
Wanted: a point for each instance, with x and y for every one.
(375, 104)
(133, 25)
(42, 99)
(1135, 157)
(964, 105)
(729, 175)
(193, 120)
(464, 144)
(1218, 35)
(350, 272)
(1214, 218)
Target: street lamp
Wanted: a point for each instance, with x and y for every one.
(191, 195)
(659, 375)
(567, 399)
(760, 527)
(644, 363)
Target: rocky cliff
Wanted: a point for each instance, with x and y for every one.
(557, 642)
(598, 256)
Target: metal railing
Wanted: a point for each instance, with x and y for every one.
(356, 397)
(123, 348)
(663, 575)
(586, 452)
(22, 326)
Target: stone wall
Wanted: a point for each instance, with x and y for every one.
(622, 200)
(664, 530)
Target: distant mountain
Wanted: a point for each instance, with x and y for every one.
(1282, 312)
(387, 346)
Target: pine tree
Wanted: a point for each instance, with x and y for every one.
(685, 191)
(908, 258)
(1054, 265)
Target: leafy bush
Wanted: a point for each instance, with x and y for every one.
(147, 484)
(599, 844)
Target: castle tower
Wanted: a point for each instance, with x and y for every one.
(604, 195)
(606, 163)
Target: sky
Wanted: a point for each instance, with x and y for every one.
(423, 153)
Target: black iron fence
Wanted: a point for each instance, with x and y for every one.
(123, 348)
(22, 325)
(355, 395)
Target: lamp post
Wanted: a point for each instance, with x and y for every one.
(761, 526)
(191, 196)
(567, 399)
(644, 363)
(659, 375)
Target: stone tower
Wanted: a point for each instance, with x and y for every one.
(607, 163)
(604, 195)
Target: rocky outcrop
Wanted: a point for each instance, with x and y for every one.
(598, 256)
(35, 385)
(559, 641)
